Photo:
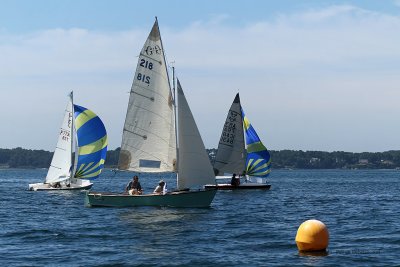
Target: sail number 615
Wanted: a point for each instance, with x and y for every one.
(143, 78)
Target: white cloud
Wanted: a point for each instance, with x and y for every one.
(323, 79)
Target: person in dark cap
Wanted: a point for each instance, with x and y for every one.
(134, 187)
(235, 181)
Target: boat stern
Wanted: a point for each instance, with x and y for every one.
(38, 186)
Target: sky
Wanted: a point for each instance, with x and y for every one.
(312, 75)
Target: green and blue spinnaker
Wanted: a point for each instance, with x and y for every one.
(92, 143)
(258, 161)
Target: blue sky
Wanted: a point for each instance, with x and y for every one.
(20, 16)
(313, 75)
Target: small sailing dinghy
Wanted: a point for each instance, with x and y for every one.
(80, 152)
(149, 140)
(252, 162)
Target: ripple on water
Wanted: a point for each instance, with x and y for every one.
(257, 228)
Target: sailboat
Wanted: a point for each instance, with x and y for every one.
(154, 124)
(80, 152)
(253, 162)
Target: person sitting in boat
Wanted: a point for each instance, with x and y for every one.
(160, 188)
(134, 187)
(235, 181)
(56, 185)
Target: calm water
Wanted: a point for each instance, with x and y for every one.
(253, 228)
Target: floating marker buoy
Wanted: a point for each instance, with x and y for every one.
(312, 235)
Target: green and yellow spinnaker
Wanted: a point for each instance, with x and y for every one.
(258, 161)
(92, 143)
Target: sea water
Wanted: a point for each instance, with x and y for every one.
(241, 228)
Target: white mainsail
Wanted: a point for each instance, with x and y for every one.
(60, 167)
(194, 168)
(148, 140)
(231, 154)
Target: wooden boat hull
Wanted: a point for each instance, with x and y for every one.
(180, 199)
(239, 187)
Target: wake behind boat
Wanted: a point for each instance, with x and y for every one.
(252, 162)
(80, 152)
(151, 134)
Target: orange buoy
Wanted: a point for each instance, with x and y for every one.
(312, 235)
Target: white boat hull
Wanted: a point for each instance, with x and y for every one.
(76, 185)
(238, 187)
(249, 183)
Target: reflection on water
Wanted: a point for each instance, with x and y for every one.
(156, 231)
(150, 216)
(320, 253)
(313, 258)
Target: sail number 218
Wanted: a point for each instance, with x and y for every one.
(146, 64)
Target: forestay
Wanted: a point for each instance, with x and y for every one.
(149, 141)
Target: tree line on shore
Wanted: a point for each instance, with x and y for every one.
(283, 159)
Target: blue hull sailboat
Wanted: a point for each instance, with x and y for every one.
(160, 135)
(80, 152)
(248, 158)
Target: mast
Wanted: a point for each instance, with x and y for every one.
(72, 135)
(175, 123)
(162, 48)
(244, 153)
(174, 103)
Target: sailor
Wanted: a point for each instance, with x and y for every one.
(235, 181)
(160, 188)
(134, 187)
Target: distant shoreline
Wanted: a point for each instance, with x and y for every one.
(284, 159)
